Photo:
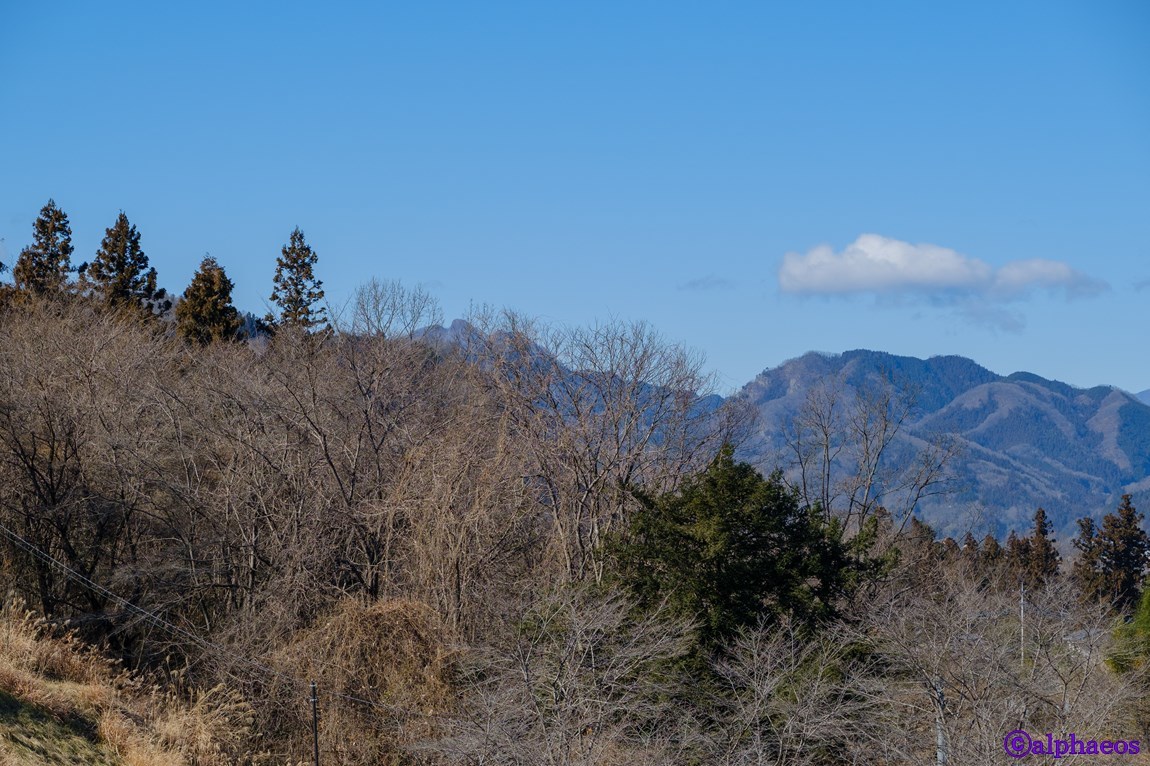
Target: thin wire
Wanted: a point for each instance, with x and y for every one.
(203, 643)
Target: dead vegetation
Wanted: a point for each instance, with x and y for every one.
(69, 703)
(419, 527)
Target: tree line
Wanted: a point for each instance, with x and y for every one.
(120, 279)
(519, 544)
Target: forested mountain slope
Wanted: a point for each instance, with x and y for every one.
(1023, 441)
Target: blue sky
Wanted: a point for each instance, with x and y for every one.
(756, 180)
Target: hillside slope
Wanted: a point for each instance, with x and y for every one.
(62, 704)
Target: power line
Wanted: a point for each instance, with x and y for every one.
(159, 622)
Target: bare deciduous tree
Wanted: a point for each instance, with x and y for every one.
(789, 699)
(583, 681)
(963, 665)
(603, 411)
(851, 453)
(387, 309)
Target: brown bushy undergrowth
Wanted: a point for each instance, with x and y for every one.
(383, 673)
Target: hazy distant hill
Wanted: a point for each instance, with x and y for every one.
(1144, 396)
(1027, 441)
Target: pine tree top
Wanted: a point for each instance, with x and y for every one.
(120, 272)
(206, 314)
(296, 290)
(43, 266)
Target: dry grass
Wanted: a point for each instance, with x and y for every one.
(391, 654)
(65, 703)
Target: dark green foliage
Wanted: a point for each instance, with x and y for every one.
(1112, 561)
(729, 550)
(43, 266)
(120, 275)
(297, 292)
(206, 313)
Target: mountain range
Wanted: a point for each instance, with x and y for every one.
(1023, 441)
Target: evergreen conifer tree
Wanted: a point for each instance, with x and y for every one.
(1017, 557)
(1125, 554)
(206, 313)
(1086, 571)
(297, 292)
(951, 552)
(970, 553)
(729, 549)
(120, 274)
(43, 266)
(991, 554)
(1043, 559)
(1112, 560)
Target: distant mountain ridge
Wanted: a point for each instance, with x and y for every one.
(1026, 441)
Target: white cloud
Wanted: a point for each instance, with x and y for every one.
(1019, 277)
(874, 264)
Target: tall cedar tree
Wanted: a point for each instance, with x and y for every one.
(1042, 557)
(1086, 571)
(206, 313)
(43, 266)
(1113, 560)
(120, 273)
(297, 292)
(1017, 557)
(990, 557)
(970, 553)
(950, 549)
(729, 549)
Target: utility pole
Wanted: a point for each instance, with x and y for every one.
(315, 721)
(942, 742)
(1022, 624)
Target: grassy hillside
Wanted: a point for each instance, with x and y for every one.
(33, 735)
(62, 703)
